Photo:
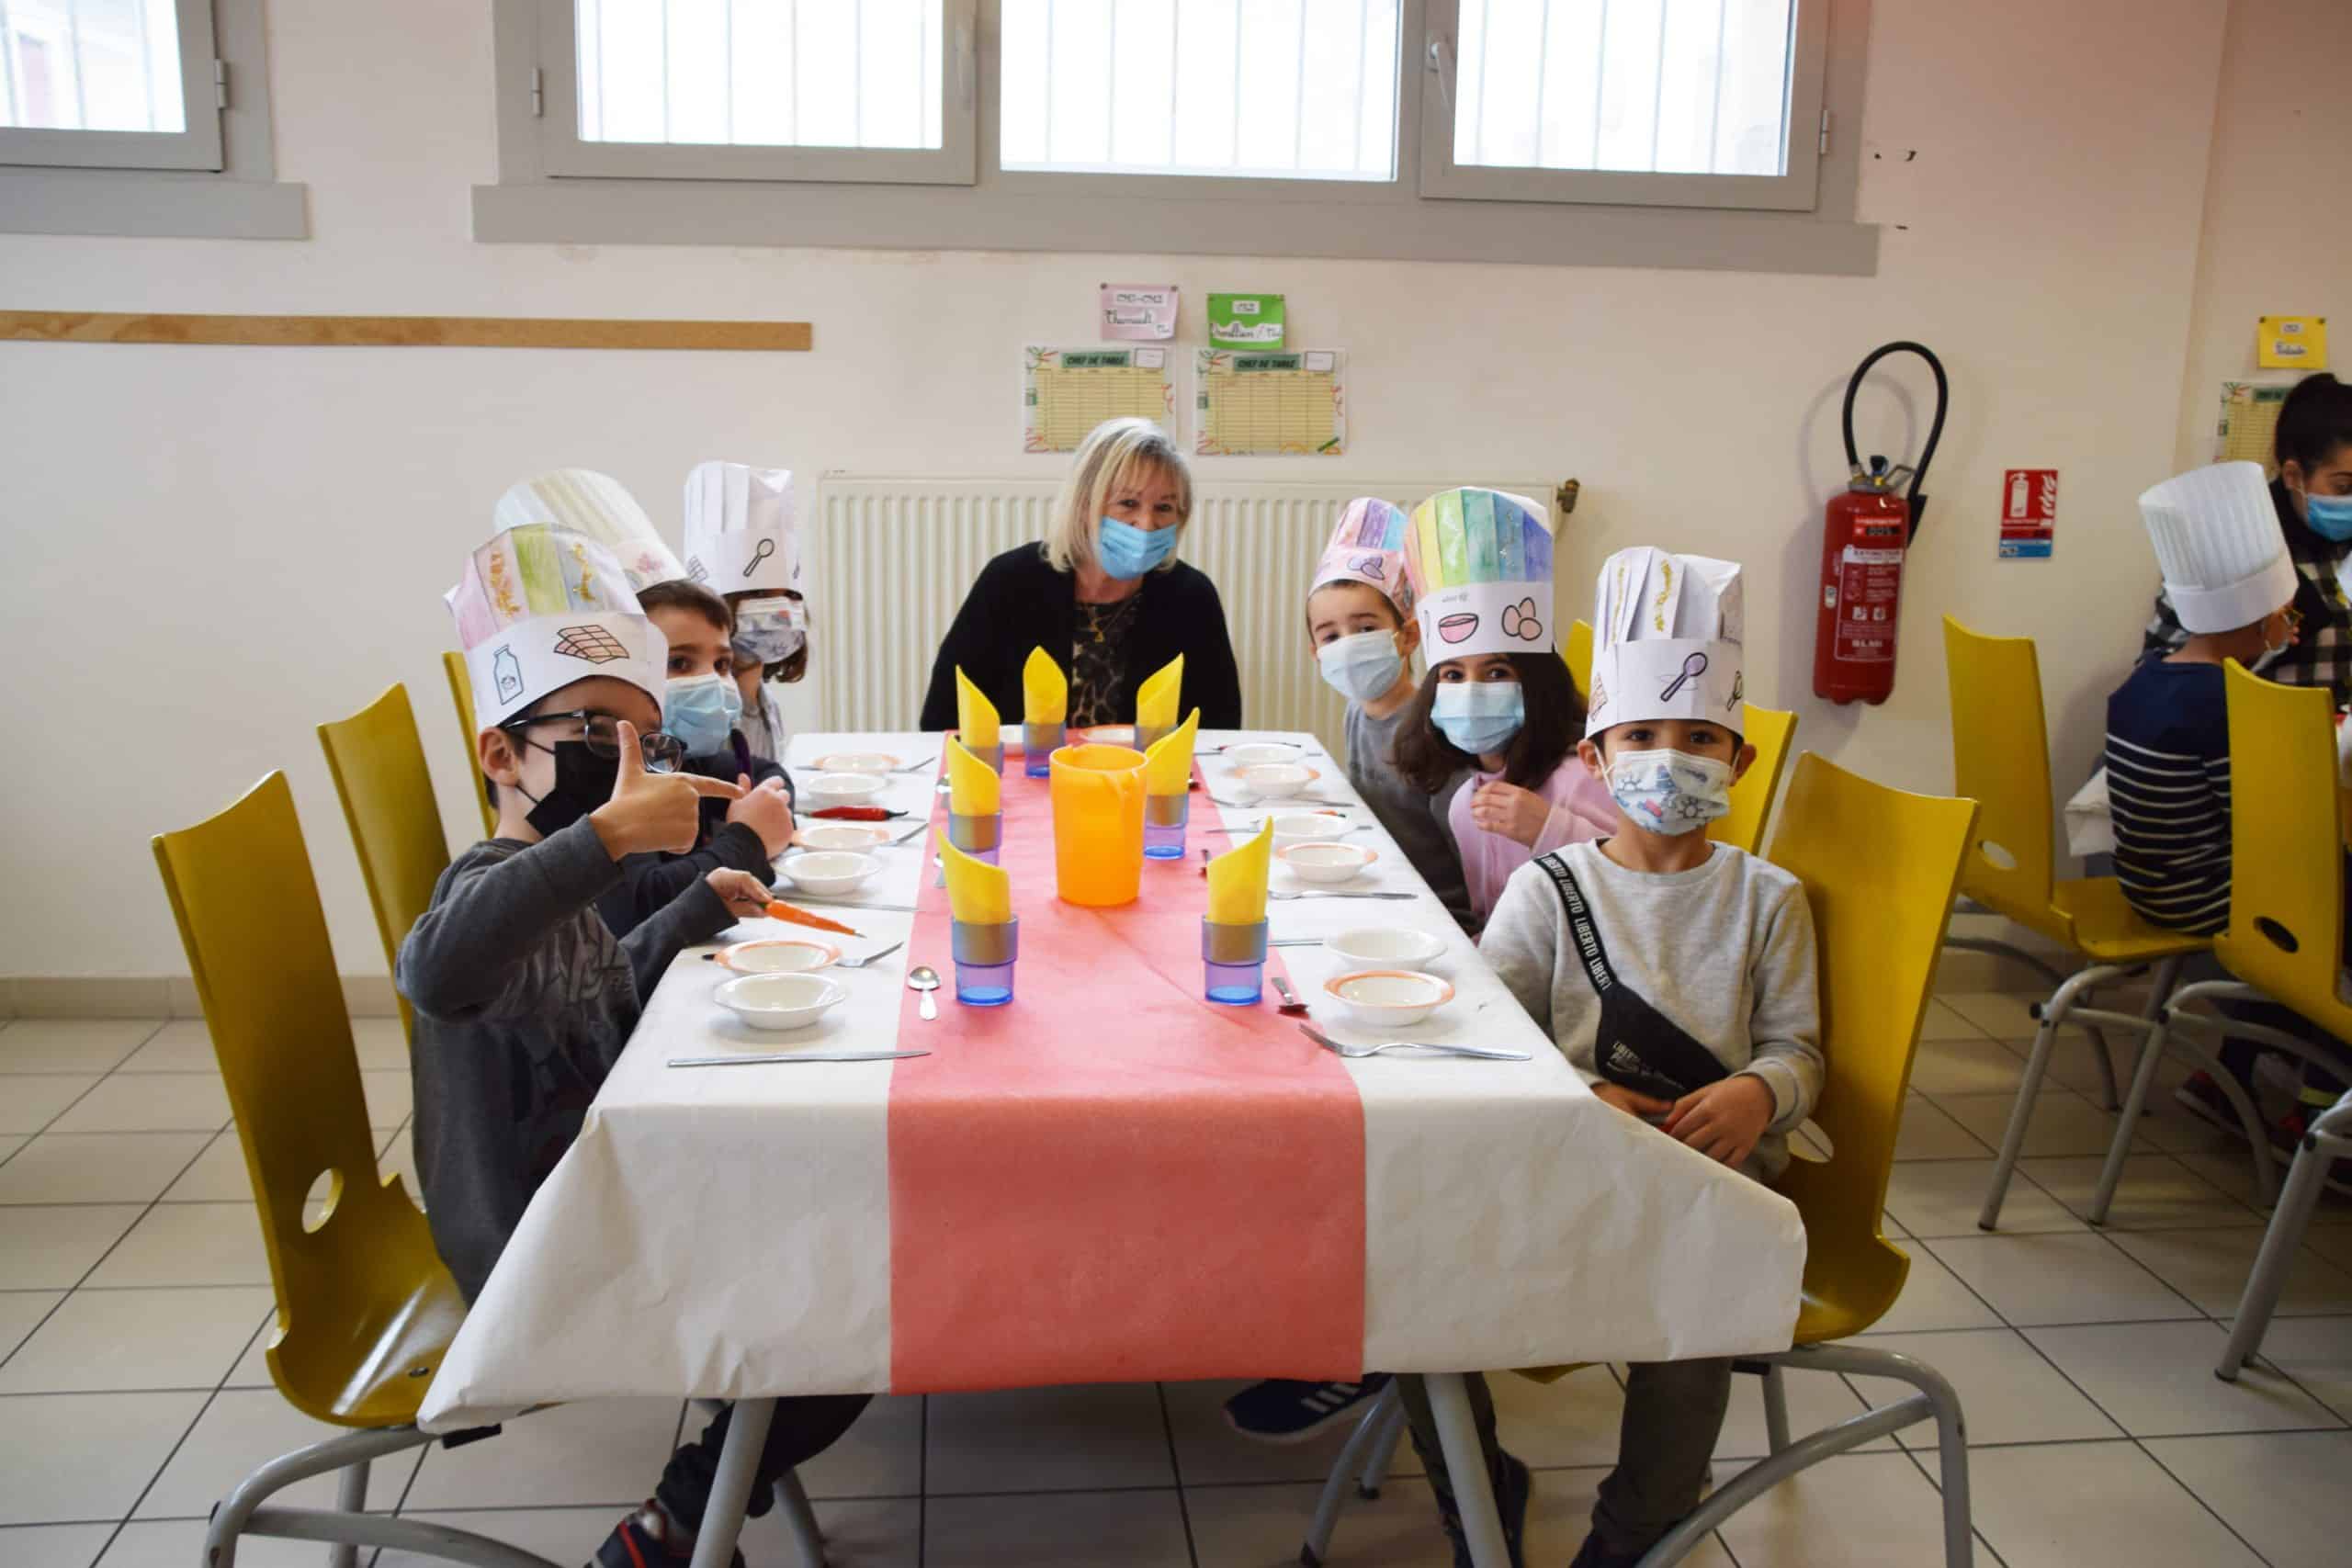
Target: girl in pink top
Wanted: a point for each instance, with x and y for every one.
(1515, 718)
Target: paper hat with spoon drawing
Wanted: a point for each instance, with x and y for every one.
(1665, 641)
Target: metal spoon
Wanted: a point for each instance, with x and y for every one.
(1291, 1003)
(924, 978)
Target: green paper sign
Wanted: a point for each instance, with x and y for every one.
(1246, 321)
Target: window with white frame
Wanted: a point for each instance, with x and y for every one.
(108, 84)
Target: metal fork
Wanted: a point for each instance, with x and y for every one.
(870, 959)
(1482, 1053)
(1318, 894)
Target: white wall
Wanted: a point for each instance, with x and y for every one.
(215, 548)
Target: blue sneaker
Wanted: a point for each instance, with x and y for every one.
(1283, 1411)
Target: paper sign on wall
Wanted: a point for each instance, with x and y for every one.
(1246, 321)
(1262, 403)
(1138, 313)
(2029, 512)
(2290, 342)
(2248, 428)
(1066, 393)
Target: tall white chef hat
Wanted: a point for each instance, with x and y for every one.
(595, 504)
(1665, 641)
(2218, 543)
(539, 607)
(740, 535)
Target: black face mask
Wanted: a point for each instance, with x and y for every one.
(584, 782)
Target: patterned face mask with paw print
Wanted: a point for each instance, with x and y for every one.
(1670, 792)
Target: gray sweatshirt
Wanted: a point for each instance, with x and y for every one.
(1724, 950)
(524, 999)
(1415, 819)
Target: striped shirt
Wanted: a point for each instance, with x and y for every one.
(2168, 779)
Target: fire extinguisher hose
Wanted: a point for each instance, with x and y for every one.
(1935, 431)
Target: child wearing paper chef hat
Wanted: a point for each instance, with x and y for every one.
(524, 996)
(1679, 975)
(740, 544)
(1498, 704)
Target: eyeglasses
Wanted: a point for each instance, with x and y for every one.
(602, 734)
(2294, 619)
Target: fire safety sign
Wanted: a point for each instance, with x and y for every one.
(2028, 512)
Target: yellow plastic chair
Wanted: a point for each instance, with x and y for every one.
(2283, 945)
(1578, 653)
(2001, 759)
(1879, 867)
(378, 767)
(365, 1309)
(1770, 731)
(461, 692)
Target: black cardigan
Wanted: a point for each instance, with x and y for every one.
(1020, 602)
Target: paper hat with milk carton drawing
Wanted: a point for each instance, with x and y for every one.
(1480, 564)
(1665, 641)
(1368, 547)
(539, 607)
(740, 535)
(596, 505)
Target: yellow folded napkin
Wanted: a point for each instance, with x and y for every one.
(973, 787)
(1237, 880)
(976, 718)
(1167, 766)
(1156, 698)
(978, 892)
(1045, 690)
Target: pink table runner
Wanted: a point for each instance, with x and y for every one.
(1113, 1178)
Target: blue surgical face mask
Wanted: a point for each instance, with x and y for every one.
(1362, 667)
(1127, 552)
(701, 711)
(1479, 716)
(2329, 515)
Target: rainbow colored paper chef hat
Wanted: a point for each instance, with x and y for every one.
(595, 504)
(1368, 547)
(1665, 641)
(1480, 566)
(740, 535)
(539, 607)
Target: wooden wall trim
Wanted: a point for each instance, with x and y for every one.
(402, 332)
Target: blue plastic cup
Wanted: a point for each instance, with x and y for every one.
(1147, 733)
(978, 837)
(1235, 959)
(992, 755)
(1038, 744)
(1164, 816)
(984, 955)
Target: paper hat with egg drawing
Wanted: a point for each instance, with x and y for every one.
(539, 607)
(1368, 547)
(596, 505)
(1665, 641)
(1480, 564)
(740, 530)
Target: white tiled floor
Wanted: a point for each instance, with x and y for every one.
(134, 1293)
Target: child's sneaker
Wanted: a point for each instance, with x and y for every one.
(2202, 1098)
(2285, 1143)
(645, 1540)
(1283, 1411)
(1513, 1483)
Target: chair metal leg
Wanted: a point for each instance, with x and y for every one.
(2053, 1017)
(230, 1515)
(1382, 1455)
(1776, 1409)
(1473, 1492)
(1317, 1544)
(739, 1461)
(351, 1497)
(800, 1520)
(2288, 1223)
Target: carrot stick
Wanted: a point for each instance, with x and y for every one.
(782, 911)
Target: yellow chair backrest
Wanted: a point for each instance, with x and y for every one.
(1879, 867)
(1578, 653)
(2000, 758)
(1770, 731)
(242, 890)
(2286, 931)
(461, 692)
(378, 767)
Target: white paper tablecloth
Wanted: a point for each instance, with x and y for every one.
(724, 1232)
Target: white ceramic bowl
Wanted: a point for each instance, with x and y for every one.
(856, 763)
(828, 872)
(838, 836)
(1387, 947)
(1327, 863)
(778, 955)
(1109, 735)
(1307, 827)
(843, 789)
(1256, 754)
(782, 1001)
(1275, 779)
(1388, 998)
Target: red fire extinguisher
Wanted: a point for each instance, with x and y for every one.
(1867, 528)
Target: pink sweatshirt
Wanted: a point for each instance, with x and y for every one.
(1582, 810)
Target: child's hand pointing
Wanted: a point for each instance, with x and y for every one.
(652, 811)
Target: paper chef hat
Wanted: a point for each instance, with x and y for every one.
(1666, 632)
(2219, 545)
(589, 502)
(1480, 564)
(739, 528)
(539, 607)
(1368, 547)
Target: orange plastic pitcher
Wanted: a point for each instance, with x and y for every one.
(1098, 824)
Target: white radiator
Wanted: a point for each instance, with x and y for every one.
(892, 559)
